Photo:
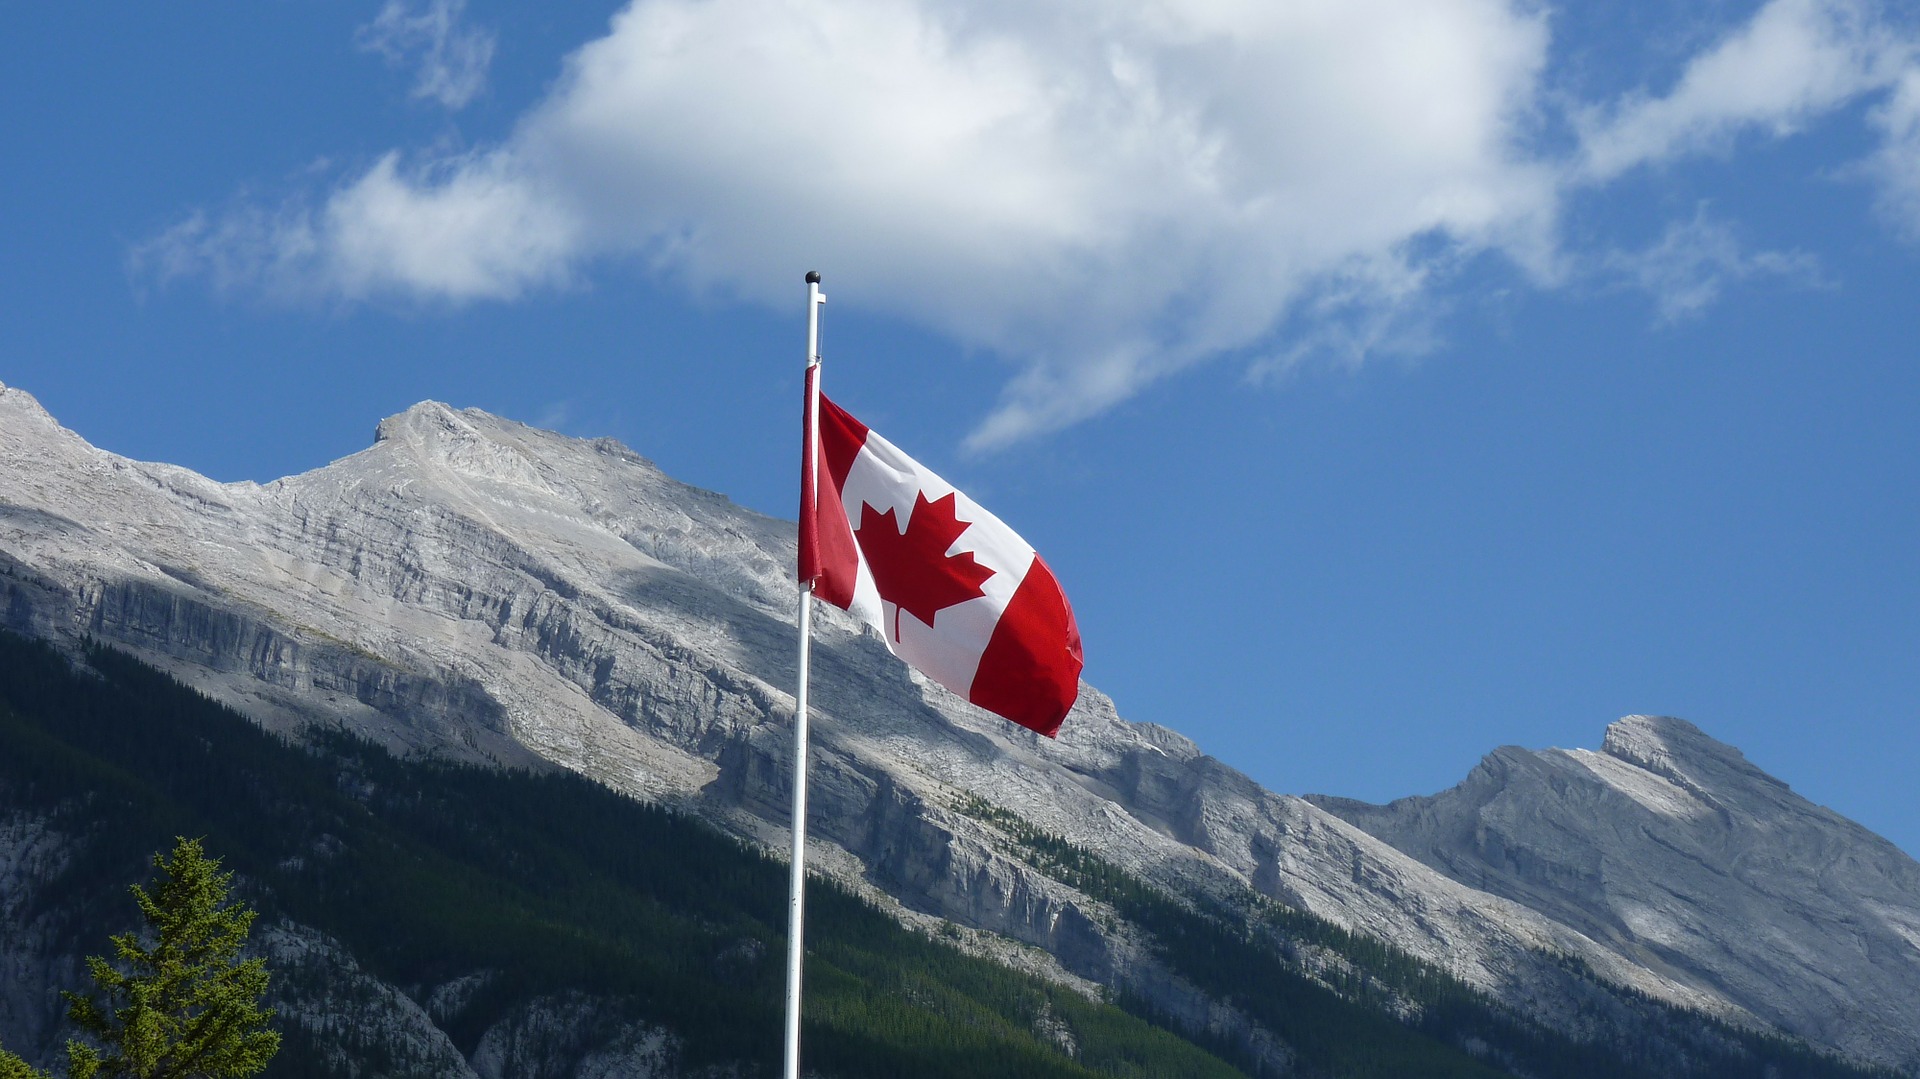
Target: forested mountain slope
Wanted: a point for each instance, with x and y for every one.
(442, 919)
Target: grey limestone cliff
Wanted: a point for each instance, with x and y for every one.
(1671, 849)
(474, 587)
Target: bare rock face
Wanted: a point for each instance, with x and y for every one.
(319, 986)
(32, 849)
(476, 588)
(1672, 850)
(575, 1036)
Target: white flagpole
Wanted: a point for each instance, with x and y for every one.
(797, 885)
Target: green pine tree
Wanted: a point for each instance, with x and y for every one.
(12, 1067)
(177, 1002)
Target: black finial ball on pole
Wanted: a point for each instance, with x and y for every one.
(813, 277)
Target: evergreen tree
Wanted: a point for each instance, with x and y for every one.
(12, 1067)
(177, 1002)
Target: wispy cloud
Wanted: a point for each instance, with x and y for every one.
(1377, 307)
(1896, 165)
(456, 230)
(452, 58)
(1795, 61)
(245, 247)
(1689, 267)
(1102, 193)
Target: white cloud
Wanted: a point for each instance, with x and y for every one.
(1101, 192)
(453, 58)
(1794, 61)
(1694, 262)
(1896, 166)
(469, 228)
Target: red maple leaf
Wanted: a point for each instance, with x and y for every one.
(912, 570)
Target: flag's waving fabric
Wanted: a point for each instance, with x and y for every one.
(951, 589)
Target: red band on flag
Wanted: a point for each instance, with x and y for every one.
(841, 437)
(1030, 672)
(828, 558)
(809, 561)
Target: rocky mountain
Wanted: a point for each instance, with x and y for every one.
(476, 589)
(421, 918)
(1672, 850)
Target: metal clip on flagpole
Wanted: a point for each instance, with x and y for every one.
(796, 891)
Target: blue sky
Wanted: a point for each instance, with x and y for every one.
(1387, 380)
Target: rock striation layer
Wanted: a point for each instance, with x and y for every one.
(472, 587)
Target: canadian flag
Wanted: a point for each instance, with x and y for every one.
(951, 589)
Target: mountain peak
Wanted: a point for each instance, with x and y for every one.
(421, 421)
(471, 442)
(21, 401)
(1672, 747)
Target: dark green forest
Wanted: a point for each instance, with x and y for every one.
(429, 872)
